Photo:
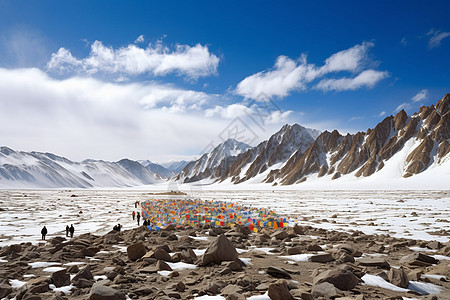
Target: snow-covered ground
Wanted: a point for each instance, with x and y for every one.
(410, 214)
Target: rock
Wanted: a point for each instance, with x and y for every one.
(280, 235)
(341, 277)
(162, 254)
(233, 265)
(278, 273)
(84, 283)
(344, 257)
(5, 289)
(213, 288)
(136, 251)
(73, 269)
(235, 296)
(231, 289)
(60, 278)
(279, 291)
(414, 275)
(418, 259)
(295, 250)
(326, 290)
(314, 247)
(298, 230)
(84, 273)
(101, 292)
(162, 266)
(374, 262)
(398, 277)
(188, 256)
(221, 249)
(322, 258)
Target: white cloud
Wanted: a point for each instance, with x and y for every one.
(156, 60)
(288, 75)
(436, 36)
(285, 77)
(404, 105)
(230, 112)
(382, 113)
(404, 41)
(356, 118)
(88, 118)
(278, 117)
(367, 78)
(139, 39)
(421, 95)
(351, 59)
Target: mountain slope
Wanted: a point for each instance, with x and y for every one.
(277, 149)
(46, 170)
(205, 166)
(362, 154)
(157, 169)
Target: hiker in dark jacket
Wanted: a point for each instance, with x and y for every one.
(71, 230)
(44, 232)
(138, 217)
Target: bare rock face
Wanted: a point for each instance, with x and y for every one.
(218, 251)
(419, 159)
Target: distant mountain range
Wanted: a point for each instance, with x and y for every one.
(408, 144)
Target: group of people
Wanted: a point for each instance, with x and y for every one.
(69, 230)
(137, 216)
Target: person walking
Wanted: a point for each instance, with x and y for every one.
(71, 230)
(67, 230)
(133, 214)
(138, 217)
(44, 232)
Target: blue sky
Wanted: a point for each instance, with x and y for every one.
(168, 79)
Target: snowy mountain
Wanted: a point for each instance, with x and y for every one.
(45, 170)
(157, 169)
(175, 166)
(404, 145)
(270, 154)
(206, 165)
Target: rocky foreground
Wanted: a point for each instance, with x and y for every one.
(237, 264)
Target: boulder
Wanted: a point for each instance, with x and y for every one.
(341, 277)
(278, 273)
(101, 292)
(280, 235)
(314, 247)
(162, 254)
(221, 249)
(295, 250)
(322, 258)
(279, 291)
(83, 273)
(136, 251)
(418, 259)
(162, 266)
(60, 278)
(326, 290)
(374, 262)
(398, 277)
(5, 290)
